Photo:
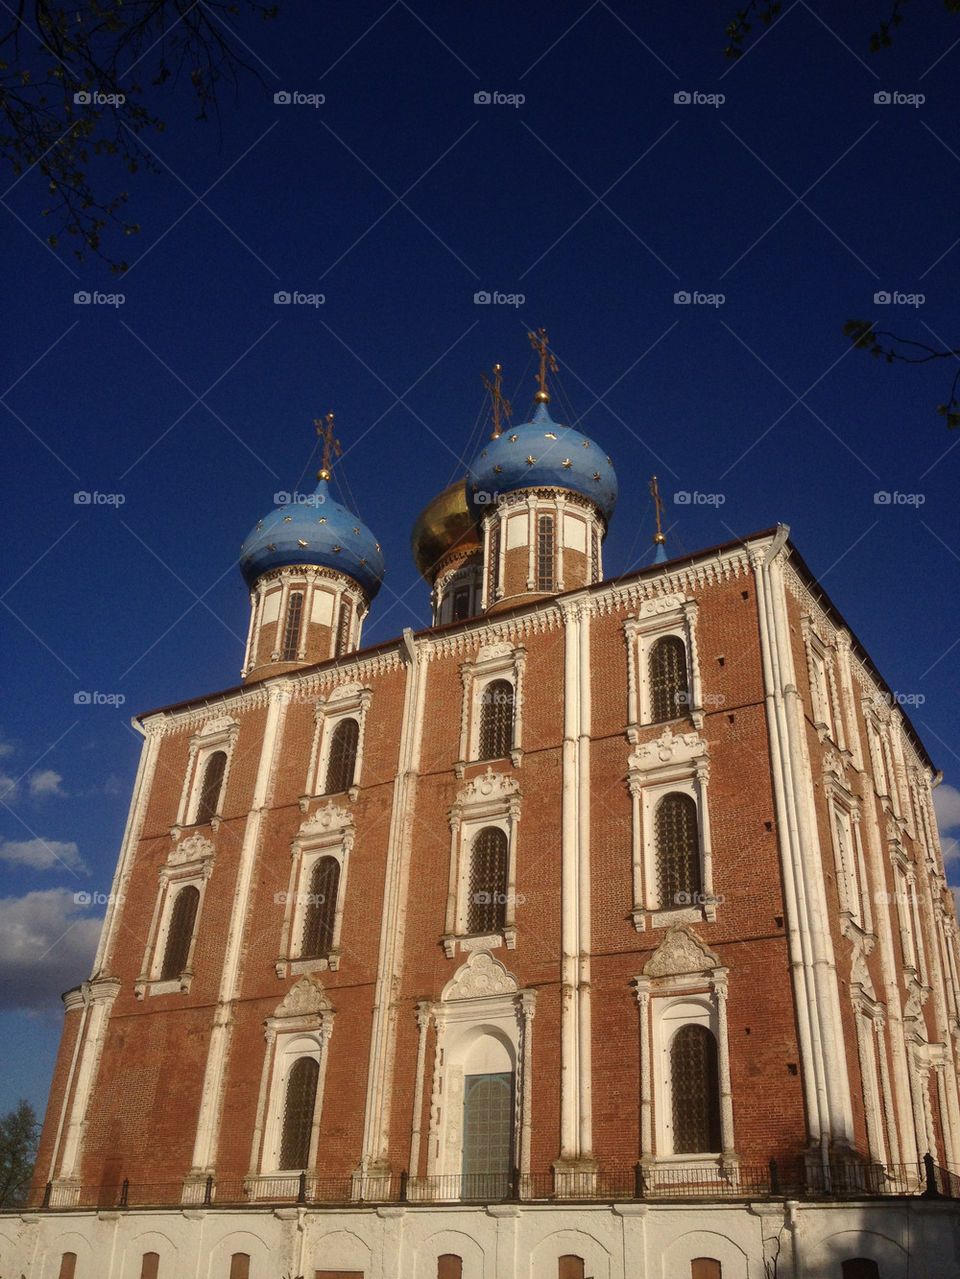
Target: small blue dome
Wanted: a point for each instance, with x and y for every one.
(541, 454)
(314, 530)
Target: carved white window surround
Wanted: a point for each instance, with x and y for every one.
(329, 832)
(349, 701)
(190, 862)
(853, 887)
(216, 735)
(654, 769)
(683, 983)
(657, 618)
(490, 799)
(301, 1026)
(875, 1081)
(484, 1024)
(822, 683)
(493, 662)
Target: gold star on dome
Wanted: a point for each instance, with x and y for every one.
(301, 542)
(336, 548)
(322, 519)
(566, 464)
(357, 531)
(363, 561)
(530, 460)
(377, 545)
(586, 444)
(259, 525)
(271, 547)
(287, 519)
(498, 469)
(549, 435)
(513, 439)
(484, 453)
(596, 476)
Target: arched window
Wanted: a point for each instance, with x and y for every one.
(150, 1265)
(695, 1089)
(487, 1135)
(240, 1265)
(570, 1266)
(180, 933)
(298, 1107)
(449, 1266)
(212, 786)
(678, 851)
(545, 553)
(342, 758)
(859, 1268)
(595, 557)
(321, 908)
(68, 1265)
(705, 1268)
(496, 719)
(487, 894)
(669, 694)
(291, 631)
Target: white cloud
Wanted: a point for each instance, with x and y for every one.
(5, 747)
(41, 854)
(46, 782)
(951, 849)
(8, 788)
(47, 945)
(946, 802)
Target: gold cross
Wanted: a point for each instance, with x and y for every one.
(539, 341)
(331, 447)
(659, 538)
(500, 405)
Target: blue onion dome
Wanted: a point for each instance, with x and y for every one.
(314, 530)
(541, 454)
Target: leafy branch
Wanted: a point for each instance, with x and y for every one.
(867, 338)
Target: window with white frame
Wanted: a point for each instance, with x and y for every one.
(168, 962)
(482, 897)
(663, 678)
(208, 769)
(313, 903)
(817, 669)
(672, 853)
(287, 1127)
(686, 1103)
(491, 717)
(336, 757)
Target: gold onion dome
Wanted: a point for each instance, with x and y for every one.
(444, 525)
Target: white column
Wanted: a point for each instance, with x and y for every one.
(723, 1069)
(585, 944)
(102, 993)
(646, 1091)
(527, 1009)
(569, 891)
(423, 1022)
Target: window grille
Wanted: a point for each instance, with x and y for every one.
(180, 934)
(461, 603)
(496, 720)
(595, 561)
(291, 632)
(487, 1135)
(678, 851)
(545, 541)
(343, 627)
(342, 758)
(696, 1091)
(493, 565)
(298, 1111)
(486, 908)
(669, 694)
(212, 785)
(321, 908)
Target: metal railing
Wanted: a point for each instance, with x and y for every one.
(648, 1181)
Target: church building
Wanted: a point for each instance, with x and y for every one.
(598, 931)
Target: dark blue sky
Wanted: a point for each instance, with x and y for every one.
(598, 198)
